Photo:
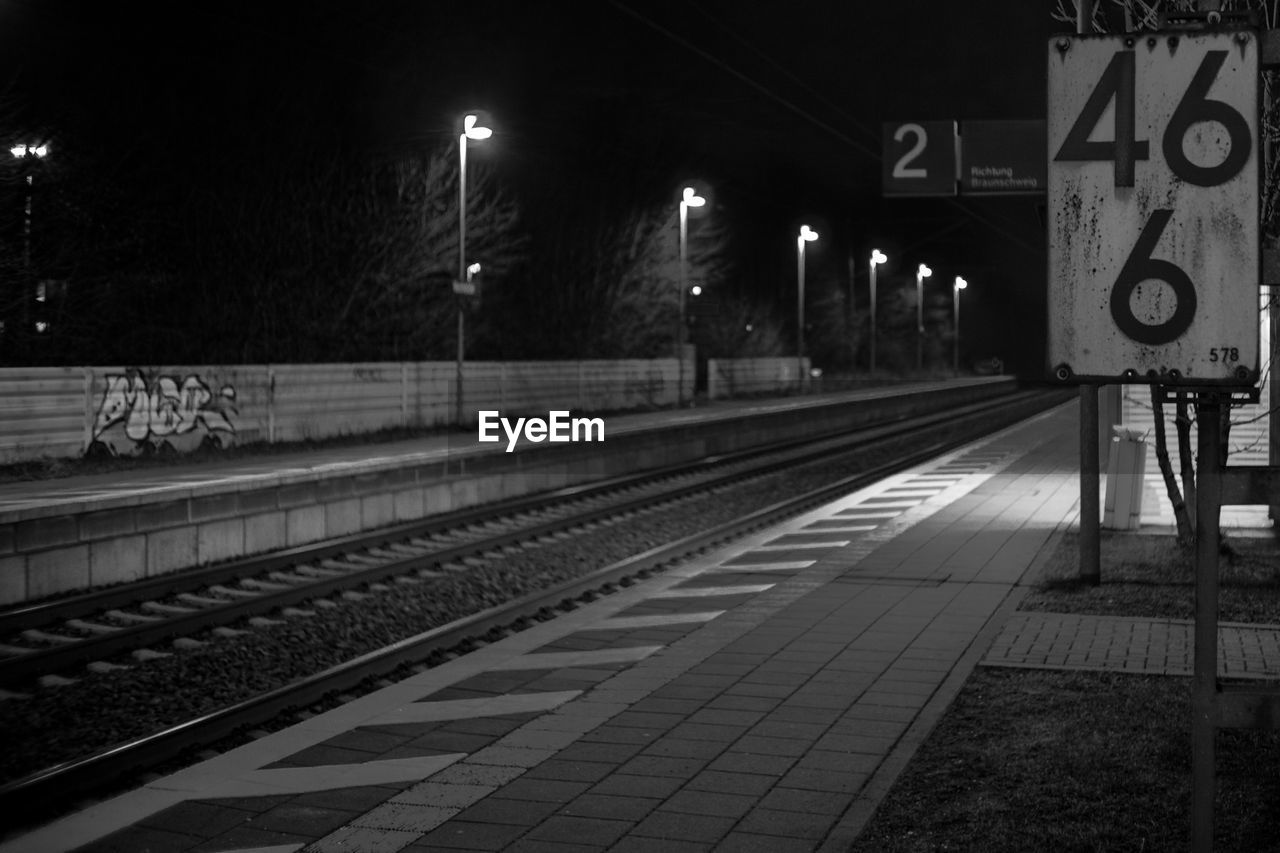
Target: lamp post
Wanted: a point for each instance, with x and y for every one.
(922, 272)
(471, 129)
(688, 198)
(960, 285)
(807, 235)
(25, 151)
(877, 258)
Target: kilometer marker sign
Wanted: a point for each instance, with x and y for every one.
(1154, 256)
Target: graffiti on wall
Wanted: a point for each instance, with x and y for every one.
(164, 412)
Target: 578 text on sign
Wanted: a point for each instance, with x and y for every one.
(1154, 257)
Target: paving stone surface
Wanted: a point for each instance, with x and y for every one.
(1036, 640)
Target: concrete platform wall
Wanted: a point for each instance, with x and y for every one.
(63, 412)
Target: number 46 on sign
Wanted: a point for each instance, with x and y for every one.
(1154, 260)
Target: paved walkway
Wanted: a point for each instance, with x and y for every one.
(1033, 640)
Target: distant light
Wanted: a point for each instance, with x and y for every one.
(961, 284)
(692, 199)
(924, 271)
(808, 234)
(474, 268)
(878, 257)
(815, 372)
(24, 150)
(42, 326)
(750, 328)
(696, 290)
(473, 131)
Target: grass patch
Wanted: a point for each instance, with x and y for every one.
(1073, 761)
(1152, 576)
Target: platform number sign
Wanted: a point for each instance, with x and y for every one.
(919, 158)
(1154, 257)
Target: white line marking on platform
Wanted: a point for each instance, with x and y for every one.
(910, 493)
(798, 545)
(879, 504)
(655, 620)
(857, 513)
(467, 709)
(115, 814)
(855, 528)
(792, 566)
(563, 660)
(711, 591)
(306, 780)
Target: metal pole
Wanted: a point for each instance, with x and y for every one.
(800, 311)
(26, 230)
(462, 269)
(850, 315)
(955, 344)
(1084, 16)
(684, 286)
(1090, 547)
(1205, 681)
(919, 321)
(1090, 538)
(873, 316)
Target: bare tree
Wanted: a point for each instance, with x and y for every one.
(608, 282)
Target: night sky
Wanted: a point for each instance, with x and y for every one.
(777, 106)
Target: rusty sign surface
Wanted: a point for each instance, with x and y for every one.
(1154, 257)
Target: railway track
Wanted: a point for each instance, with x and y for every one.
(293, 583)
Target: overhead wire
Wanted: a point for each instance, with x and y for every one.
(855, 144)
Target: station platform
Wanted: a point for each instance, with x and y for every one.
(77, 533)
(761, 697)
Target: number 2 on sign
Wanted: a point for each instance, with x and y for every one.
(900, 169)
(1124, 150)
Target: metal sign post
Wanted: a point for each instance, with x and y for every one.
(1205, 679)
(1216, 705)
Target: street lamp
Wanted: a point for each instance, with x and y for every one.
(25, 151)
(471, 129)
(807, 235)
(922, 272)
(960, 285)
(877, 258)
(22, 151)
(688, 198)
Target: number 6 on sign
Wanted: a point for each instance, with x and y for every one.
(1141, 267)
(1153, 208)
